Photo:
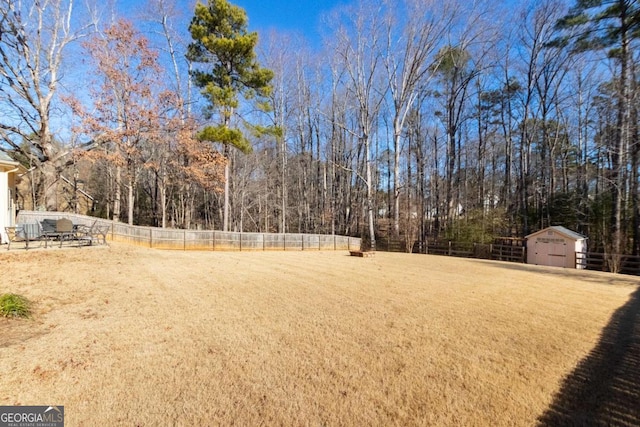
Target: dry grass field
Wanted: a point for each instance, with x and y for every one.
(136, 337)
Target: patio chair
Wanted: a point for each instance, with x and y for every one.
(100, 232)
(60, 230)
(48, 226)
(24, 233)
(64, 230)
(48, 230)
(85, 233)
(15, 235)
(96, 232)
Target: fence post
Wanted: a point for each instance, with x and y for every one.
(449, 247)
(151, 237)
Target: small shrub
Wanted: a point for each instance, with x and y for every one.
(12, 305)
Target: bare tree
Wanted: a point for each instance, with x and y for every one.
(163, 14)
(280, 53)
(34, 38)
(409, 59)
(128, 106)
(359, 50)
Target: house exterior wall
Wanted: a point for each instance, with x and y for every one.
(8, 173)
(5, 194)
(7, 201)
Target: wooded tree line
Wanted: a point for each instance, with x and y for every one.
(416, 119)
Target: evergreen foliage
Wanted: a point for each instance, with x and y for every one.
(224, 49)
(600, 24)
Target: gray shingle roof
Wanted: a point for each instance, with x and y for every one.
(4, 157)
(562, 230)
(571, 234)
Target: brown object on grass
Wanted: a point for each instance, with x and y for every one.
(131, 336)
(362, 254)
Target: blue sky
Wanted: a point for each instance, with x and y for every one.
(301, 16)
(289, 15)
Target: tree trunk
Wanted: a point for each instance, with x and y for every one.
(163, 203)
(118, 195)
(396, 179)
(370, 201)
(620, 158)
(227, 168)
(48, 197)
(131, 199)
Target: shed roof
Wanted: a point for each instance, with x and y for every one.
(561, 230)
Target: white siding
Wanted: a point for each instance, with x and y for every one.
(5, 213)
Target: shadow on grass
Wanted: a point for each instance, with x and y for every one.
(604, 389)
(583, 275)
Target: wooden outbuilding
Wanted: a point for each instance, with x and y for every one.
(556, 246)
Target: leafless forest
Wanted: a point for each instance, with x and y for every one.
(416, 119)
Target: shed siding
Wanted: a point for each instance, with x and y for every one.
(554, 248)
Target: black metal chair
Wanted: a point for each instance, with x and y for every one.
(95, 233)
(59, 230)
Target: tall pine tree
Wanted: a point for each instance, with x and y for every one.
(611, 25)
(228, 70)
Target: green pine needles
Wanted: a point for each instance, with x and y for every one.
(226, 67)
(12, 305)
(227, 71)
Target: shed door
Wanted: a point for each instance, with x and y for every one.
(551, 251)
(557, 254)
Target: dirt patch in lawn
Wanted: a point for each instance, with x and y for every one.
(131, 336)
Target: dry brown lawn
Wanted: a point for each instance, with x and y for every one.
(130, 336)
